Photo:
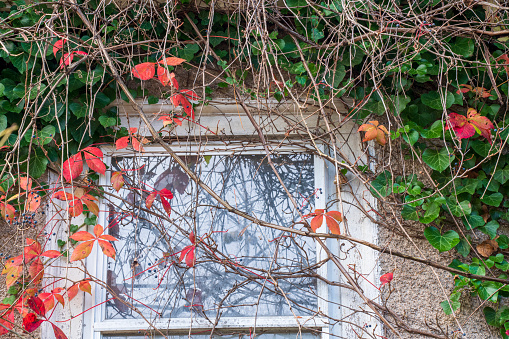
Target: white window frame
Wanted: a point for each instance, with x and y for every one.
(225, 118)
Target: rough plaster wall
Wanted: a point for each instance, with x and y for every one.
(416, 292)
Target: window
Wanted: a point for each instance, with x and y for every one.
(241, 284)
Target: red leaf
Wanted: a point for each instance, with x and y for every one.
(36, 270)
(72, 167)
(107, 248)
(166, 193)
(72, 291)
(122, 143)
(163, 75)
(174, 81)
(316, 222)
(7, 320)
(136, 145)
(51, 254)
(63, 195)
(166, 205)
(66, 59)
(36, 304)
(150, 199)
(25, 183)
(82, 251)
(31, 322)
(117, 180)
(144, 71)
(59, 334)
(94, 158)
(386, 278)
(192, 237)
(59, 44)
(82, 236)
(190, 94)
(465, 127)
(180, 99)
(190, 257)
(172, 61)
(81, 53)
(75, 208)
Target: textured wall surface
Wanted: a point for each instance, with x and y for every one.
(417, 290)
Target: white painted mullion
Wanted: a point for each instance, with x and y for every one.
(321, 179)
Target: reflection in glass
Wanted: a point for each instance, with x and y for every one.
(259, 262)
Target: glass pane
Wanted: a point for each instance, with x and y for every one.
(237, 335)
(241, 268)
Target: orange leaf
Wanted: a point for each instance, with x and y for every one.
(25, 183)
(107, 248)
(82, 251)
(150, 199)
(332, 224)
(72, 167)
(72, 291)
(144, 71)
(122, 143)
(7, 211)
(108, 237)
(51, 254)
(85, 287)
(117, 180)
(136, 145)
(336, 215)
(94, 158)
(33, 202)
(82, 236)
(98, 230)
(172, 61)
(12, 274)
(316, 222)
(92, 206)
(373, 131)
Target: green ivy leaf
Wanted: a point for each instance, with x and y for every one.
(382, 185)
(461, 209)
(47, 134)
(409, 213)
(463, 247)
(490, 229)
(38, 164)
(494, 199)
(503, 241)
(453, 301)
(444, 242)
(152, 100)
(3, 122)
(473, 220)
(432, 212)
(107, 121)
(463, 46)
(435, 131)
(438, 160)
(502, 175)
(432, 99)
(79, 110)
(491, 316)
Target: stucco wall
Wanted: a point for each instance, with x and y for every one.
(417, 290)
